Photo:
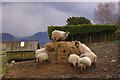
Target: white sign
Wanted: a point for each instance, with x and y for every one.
(22, 44)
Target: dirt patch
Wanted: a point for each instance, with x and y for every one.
(104, 68)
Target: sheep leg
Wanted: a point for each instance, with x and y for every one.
(53, 40)
(84, 67)
(46, 61)
(81, 67)
(71, 64)
(35, 59)
(38, 60)
(87, 67)
(76, 65)
(43, 62)
(94, 64)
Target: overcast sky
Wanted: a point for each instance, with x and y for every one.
(27, 18)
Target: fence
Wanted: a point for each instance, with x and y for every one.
(95, 37)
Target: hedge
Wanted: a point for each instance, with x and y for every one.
(82, 29)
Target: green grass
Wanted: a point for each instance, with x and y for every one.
(3, 69)
(3, 60)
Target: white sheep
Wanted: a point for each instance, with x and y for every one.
(82, 47)
(73, 59)
(59, 35)
(38, 51)
(91, 55)
(84, 62)
(42, 57)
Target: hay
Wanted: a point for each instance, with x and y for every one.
(63, 48)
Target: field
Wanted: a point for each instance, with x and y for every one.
(3, 59)
(106, 52)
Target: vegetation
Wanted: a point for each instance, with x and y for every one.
(77, 21)
(3, 65)
(106, 13)
(87, 32)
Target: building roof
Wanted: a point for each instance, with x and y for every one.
(22, 46)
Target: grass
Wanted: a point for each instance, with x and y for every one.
(3, 60)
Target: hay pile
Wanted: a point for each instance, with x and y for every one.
(63, 49)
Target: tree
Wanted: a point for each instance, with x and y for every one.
(119, 13)
(77, 20)
(106, 13)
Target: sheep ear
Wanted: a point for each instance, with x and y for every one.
(79, 42)
(67, 32)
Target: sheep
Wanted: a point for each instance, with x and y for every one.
(42, 57)
(82, 47)
(12, 61)
(38, 51)
(91, 55)
(73, 59)
(84, 62)
(59, 35)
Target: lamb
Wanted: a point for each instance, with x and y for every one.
(59, 35)
(91, 55)
(82, 47)
(39, 51)
(73, 59)
(42, 57)
(84, 62)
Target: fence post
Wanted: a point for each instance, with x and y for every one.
(105, 37)
(90, 38)
(23, 56)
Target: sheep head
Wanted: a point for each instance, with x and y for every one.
(80, 65)
(77, 43)
(66, 35)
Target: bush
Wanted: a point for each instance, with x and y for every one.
(83, 29)
(77, 20)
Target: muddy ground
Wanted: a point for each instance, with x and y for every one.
(104, 67)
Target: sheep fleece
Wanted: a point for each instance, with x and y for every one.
(73, 59)
(42, 56)
(39, 51)
(58, 35)
(84, 61)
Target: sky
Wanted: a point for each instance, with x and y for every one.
(27, 18)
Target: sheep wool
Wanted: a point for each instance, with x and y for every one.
(84, 62)
(59, 35)
(42, 57)
(91, 55)
(73, 59)
(38, 51)
(83, 48)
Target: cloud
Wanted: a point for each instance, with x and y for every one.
(27, 18)
(85, 9)
(23, 19)
(60, 0)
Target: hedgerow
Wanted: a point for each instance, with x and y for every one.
(83, 29)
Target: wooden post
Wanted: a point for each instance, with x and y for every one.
(105, 37)
(7, 57)
(23, 55)
(90, 38)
